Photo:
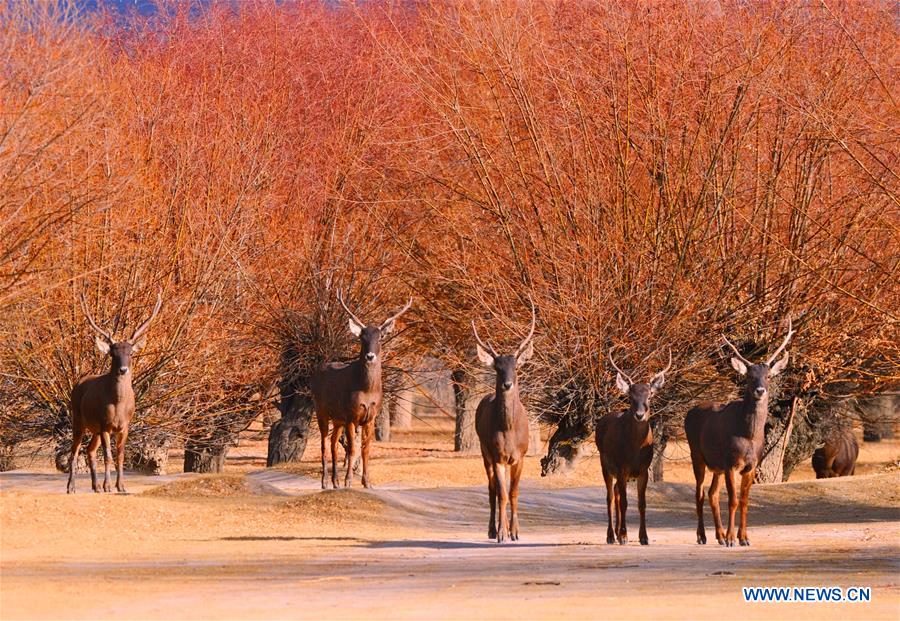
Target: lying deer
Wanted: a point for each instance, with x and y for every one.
(104, 404)
(349, 395)
(625, 442)
(838, 457)
(729, 438)
(501, 423)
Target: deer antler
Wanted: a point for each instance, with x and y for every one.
(663, 372)
(139, 332)
(484, 345)
(397, 314)
(613, 362)
(524, 343)
(783, 343)
(340, 297)
(736, 352)
(91, 321)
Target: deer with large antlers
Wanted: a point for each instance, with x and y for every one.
(625, 442)
(349, 395)
(729, 437)
(501, 423)
(104, 404)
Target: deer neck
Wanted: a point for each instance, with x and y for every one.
(638, 429)
(506, 403)
(755, 412)
(119, 385)
(370, 375)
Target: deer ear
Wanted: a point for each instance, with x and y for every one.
(485, 358)
(657, 383)
(139, 345)
(739, 366)
(355, 328)
(102, 345)
(622, 384)
(779, 366)
(387, 327)
(525, 355)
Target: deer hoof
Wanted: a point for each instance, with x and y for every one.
(701, 539)
(610, 539)
(644, 540)
(745, 542)
(623, 539)
(501, 537)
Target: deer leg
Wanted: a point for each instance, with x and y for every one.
(642, 506)
(622, 484)
(323, 434)
(611, 506)
(515, 474)
(92, 460)
(501, 485)
(120, 460)
(699, 475)
(77, 436)
(335, 430)
(368, 432)
(351, 449)
(732, 507)
(714, 486)
(492, 493)
(107, 458)
(746, 482)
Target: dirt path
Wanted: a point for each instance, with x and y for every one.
(266, 545)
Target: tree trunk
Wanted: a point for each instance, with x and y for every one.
(402, 409)
(879, 414)
(566, 444)
(148, 455)
(290, 433)
(660, 440)
(7, 457)
(535, 446)
(771, 468)
(203, 457)
(465, 440)
(383, 421)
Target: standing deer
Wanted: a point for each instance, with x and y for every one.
(104, 404)
(729, 437)
(349, 395)
(625, 442)
(837, 458)
(501, 423)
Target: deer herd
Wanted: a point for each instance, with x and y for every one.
(725, 438)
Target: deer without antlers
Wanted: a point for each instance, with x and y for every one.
(349, 394)
(729, 437)
(501, 423)
(104, 404)
(625, 442)
(837, 458)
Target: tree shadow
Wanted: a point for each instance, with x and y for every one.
(458, 545)
(283, 538)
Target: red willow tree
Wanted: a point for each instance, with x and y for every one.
(651, 177)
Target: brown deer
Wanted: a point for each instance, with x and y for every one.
(837, 458)
(729, 438)
(501, 423)
(104, 404)
(349, 395)
(625, 442)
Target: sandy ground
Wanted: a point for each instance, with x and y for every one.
(260, 544)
